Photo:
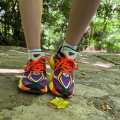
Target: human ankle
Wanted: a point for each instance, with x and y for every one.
(68, 45)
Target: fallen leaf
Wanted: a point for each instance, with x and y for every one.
(0, 84)
(89, 103)
(106, 107)
(59, 102)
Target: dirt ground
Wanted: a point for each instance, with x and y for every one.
(97, 85)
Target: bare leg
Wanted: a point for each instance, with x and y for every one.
(31, 11)
(81, 14)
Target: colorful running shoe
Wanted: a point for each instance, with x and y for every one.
(34, 79)
(61, 79)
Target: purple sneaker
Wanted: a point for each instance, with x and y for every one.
(61, 79)
(34, 79)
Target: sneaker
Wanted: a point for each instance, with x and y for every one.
(61, 79)
(34, 79)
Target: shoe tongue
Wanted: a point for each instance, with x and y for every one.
(70, 53)
(36, 55)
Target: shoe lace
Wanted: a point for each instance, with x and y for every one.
(37, 66)
(66, 65)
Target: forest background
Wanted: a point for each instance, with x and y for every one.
(103, 31)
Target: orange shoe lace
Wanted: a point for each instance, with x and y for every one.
(36, 66)
(66, 65)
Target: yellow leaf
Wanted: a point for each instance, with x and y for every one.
(59, 102)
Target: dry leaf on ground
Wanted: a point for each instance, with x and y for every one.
(106, 107)
(89, 103)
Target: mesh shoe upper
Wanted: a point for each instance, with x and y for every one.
(35, 71)
(63, 70)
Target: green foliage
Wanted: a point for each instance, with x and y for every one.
(11, 32)
(105, 26)
(103, 31)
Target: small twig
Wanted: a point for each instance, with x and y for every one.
(114, 117)
(44, 100)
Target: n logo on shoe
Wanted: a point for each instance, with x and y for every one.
(70, 53)
(36, 55)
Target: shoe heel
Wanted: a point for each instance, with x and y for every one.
(52, 62)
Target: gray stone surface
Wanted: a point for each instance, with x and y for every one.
(98, 84)
(78, 110)
(116, 102)
(87, 91)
